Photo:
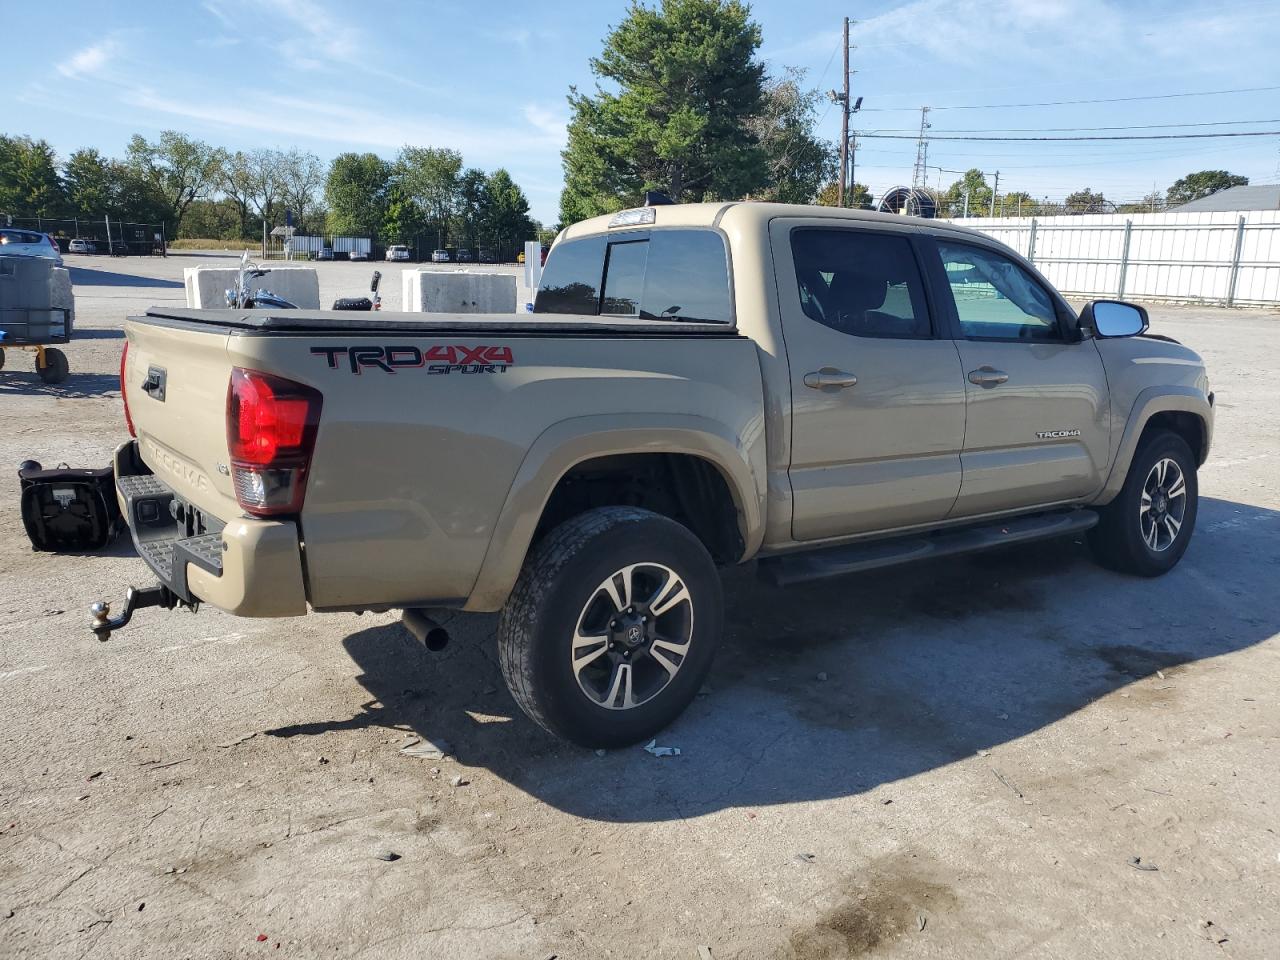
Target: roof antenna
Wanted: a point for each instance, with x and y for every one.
(656, 198)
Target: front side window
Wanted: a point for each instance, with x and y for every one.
(996, 299)
(861, 283)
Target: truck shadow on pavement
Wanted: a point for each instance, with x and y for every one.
(840, 688)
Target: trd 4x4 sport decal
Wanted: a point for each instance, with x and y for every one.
(436, 359)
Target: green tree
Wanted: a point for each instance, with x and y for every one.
(798, 162)
(1196, 185)
(1087, 201)
(430, 177)
(403, 219)
(974, 183)
(214, 219)
(93, 184)
(1153, 202)
(178, 168)
(473, 202)
(684, 80)
(29, 182)
(856, 197)
(1019, 203)
(302, 188)
(506, 218)
(236, 185)
(356, 193)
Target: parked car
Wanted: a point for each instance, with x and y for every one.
(398, 252)
(657, 430)
(325, 253)
(82, 246)
(27, 243)
(439, 256)
(487, 256)
(358, 255)
(465, 255)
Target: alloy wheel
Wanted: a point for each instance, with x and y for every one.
(632, 636)
(1163, 506)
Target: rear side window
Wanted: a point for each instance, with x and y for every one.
(861, 283)
(659, 275)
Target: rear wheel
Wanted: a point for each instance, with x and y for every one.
(1145, 530)
(56, 368)
(1, 359)
(612, 626)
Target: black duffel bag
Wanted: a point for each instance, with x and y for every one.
(69, 510)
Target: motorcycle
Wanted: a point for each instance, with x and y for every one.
(239, 297)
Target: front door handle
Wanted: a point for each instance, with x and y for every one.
(988, 376)
(829, 378)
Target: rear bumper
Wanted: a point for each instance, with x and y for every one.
(252, 568)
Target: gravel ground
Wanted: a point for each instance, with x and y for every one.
(994, 741)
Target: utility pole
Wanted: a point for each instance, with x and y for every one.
(919, 176)
(994, 190)
(844, 121)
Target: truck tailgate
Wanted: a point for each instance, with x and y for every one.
(175, 381)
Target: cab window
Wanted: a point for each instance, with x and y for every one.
(995, 298)
(861, 283)
(654, 275)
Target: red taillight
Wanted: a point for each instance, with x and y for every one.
(271, 431)
(124, 393)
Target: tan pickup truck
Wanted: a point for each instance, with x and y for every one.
(823, 390)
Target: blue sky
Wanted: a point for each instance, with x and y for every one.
(489, 79)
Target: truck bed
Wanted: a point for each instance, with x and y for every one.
(508, 324)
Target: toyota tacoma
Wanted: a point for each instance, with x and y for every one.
(821, 390)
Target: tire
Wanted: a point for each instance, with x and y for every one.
(575, 582)
(1144, 531)
(1, 359)
(56, 368)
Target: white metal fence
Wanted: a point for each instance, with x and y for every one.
(1226, 258)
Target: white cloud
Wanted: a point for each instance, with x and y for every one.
(351, 125)
(90, 60)
(551, 123)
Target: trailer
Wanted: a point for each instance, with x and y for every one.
(37, 313)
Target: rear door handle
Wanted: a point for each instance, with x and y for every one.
(988, 376)
(829, 378)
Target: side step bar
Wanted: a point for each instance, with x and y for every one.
(789, 569)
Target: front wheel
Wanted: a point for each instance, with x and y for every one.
(1145, 530)
(611, 627)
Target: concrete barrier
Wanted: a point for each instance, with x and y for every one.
(434, 291)
(207, 286)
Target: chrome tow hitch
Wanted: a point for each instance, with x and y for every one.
(135, 598)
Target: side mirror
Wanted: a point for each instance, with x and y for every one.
(1114, 318)
(377, 276)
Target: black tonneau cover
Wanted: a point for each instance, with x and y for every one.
(258, 322)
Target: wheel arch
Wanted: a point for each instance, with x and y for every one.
(706, 458)
(1183, 410)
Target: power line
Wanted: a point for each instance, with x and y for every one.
(1063, 103)
(1143, 136)
(1139, 126)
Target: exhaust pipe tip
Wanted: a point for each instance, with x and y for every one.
(425, 630)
